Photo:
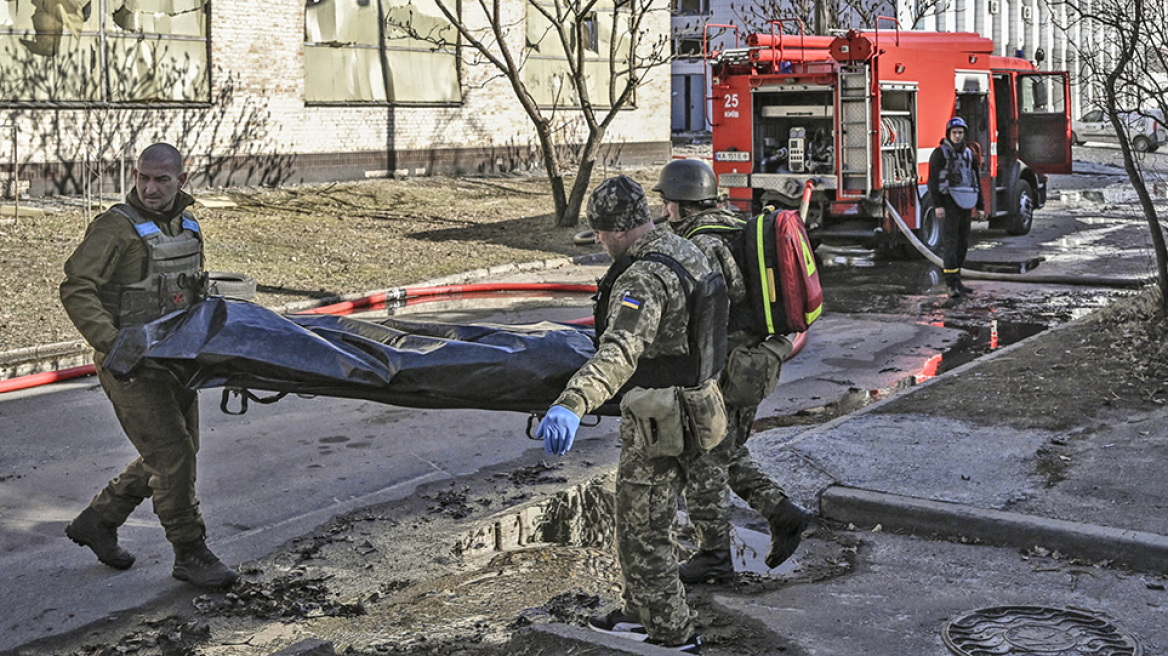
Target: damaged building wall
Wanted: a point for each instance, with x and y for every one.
(268, 93)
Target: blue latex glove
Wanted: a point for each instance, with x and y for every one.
(558, 430)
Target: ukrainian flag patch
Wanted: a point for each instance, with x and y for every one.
(630, 302)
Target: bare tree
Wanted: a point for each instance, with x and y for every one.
(1127, 69)
(828, 14)
(569, 29)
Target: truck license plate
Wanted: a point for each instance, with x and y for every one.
(732, 156)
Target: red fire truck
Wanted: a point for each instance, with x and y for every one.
(859, 114)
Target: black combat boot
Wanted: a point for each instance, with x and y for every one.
(195, 564)
(706, 565)
(788, 522)
(90, 530)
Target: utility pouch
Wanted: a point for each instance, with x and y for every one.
(752, 372)
(657, 422)
(705, 416)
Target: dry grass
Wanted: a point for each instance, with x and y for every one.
(309, 242)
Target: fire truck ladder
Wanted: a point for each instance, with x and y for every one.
(855, 124)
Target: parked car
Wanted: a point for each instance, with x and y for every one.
(1146, 128)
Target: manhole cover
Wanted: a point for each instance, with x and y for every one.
(1037, 631)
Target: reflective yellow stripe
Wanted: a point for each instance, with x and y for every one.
(808, 317)
(764, 273)
(951, 270)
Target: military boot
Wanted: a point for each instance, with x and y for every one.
(90, 530)
(195, 564)
(788, 522)
(706, 565)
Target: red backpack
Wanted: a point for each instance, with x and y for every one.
(778, 264)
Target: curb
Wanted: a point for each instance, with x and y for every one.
(923, 517)
(65, 355)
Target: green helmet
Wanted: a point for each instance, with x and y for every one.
(687, 179)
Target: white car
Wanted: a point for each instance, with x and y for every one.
(1146, 129)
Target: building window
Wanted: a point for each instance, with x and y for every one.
(546, 71)
(687, 47)
(117, 51)
(379, 51)
(691, 6)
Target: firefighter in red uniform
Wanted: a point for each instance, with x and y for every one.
(955, 187)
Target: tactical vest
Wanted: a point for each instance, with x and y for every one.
(173, 278)
(707, 303)
(960, 178)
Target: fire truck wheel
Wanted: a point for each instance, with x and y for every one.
(1022, 215)
(930, 231)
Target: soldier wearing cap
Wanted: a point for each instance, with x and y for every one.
(643, 320)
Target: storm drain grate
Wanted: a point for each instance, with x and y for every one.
(1037, 631)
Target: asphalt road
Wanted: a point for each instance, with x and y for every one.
(281, 470)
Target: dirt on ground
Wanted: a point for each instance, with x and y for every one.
(308, 242)
(346, 583)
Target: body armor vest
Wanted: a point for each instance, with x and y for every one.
(960, 178)
(173, 278)
(705, 335)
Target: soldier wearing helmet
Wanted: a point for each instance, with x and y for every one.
(644, 329)
(955, 189)
(689, 188)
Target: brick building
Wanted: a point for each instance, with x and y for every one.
(286, 91)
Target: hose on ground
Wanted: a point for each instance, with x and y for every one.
(1039, 279)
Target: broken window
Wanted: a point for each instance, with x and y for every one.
(122, 51)
(402, 51)
(546, 71)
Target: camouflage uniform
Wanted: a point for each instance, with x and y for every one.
(729, 466)
(647, 318)
(160, 417)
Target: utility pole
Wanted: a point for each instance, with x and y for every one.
(820, 25)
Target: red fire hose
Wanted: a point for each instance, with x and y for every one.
(346, 307)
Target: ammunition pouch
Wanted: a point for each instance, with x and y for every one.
(752, 372)
(704, 412)
(656, 419)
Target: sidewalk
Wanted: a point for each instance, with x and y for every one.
(950, 517)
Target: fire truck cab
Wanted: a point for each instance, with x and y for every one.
(859, 115)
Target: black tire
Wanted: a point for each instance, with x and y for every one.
(1022, 212)
(930, 231)
(231, 285)
(1142, 144)
(1075, 140)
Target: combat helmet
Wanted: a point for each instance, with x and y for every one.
(688, 180)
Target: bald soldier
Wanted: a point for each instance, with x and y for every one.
(660, 333)
(138, 261)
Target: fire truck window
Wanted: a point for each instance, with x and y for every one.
(1041, 94)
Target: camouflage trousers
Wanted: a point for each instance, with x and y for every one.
(647, 493)
(161, 419)
(728, 466)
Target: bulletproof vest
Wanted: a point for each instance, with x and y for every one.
(173, 279)
(960, 177)
(706, 301)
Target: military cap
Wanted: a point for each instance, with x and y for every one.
(618, 204)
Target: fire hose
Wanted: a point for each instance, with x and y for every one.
(1048, 279)
(344, 307)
